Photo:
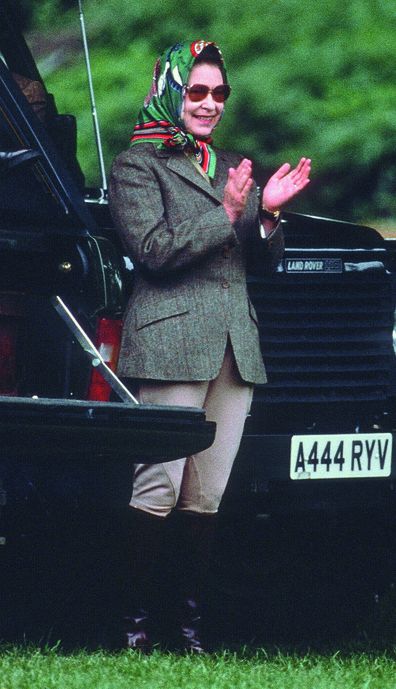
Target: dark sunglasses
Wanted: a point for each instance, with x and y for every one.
(198, 92)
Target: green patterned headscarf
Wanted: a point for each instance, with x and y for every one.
(161, 118)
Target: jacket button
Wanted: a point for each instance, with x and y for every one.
(225, 284)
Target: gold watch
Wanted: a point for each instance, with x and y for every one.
(269, 215)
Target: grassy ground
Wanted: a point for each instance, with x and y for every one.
(34, 669)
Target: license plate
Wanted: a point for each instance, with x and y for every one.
(357, 455)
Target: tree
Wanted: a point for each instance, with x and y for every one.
(313, 78)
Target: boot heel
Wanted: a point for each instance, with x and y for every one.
(137, 636)
(190, 628)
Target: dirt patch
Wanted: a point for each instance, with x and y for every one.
(385, 227)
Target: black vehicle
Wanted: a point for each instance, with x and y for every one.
(69, 431)
(317, 464)
(311, 499)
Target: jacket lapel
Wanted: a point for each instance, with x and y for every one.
(183, 167)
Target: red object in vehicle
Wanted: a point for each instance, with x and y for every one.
(8, 339)
(10, 316)
(108, 340)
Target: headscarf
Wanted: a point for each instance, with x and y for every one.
(161, 118)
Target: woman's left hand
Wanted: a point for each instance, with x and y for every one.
(285, 184)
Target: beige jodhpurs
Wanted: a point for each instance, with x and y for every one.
(195, 483)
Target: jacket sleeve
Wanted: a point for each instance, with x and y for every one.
(139, 204)
(265, 253)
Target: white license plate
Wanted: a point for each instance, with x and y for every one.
(358, 455)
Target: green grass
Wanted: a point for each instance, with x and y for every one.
(52, 669)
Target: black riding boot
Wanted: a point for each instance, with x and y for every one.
(170, 562)
(195, 535)
(147, 542)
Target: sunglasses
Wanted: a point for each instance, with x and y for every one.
(198, 92)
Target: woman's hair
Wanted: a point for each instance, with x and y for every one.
(211, 55)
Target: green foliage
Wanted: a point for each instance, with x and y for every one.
(313, 78)
(48, 13)
(120, 90)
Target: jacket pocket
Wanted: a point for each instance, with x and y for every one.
(158, 311)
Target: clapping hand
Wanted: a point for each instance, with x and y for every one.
(285, 184)
(237, 189)
(280, 188)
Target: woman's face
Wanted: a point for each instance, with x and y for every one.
(201, 118)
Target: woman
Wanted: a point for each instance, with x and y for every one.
(186, 213)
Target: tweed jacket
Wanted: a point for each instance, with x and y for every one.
(190, 291)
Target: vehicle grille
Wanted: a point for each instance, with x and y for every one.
(326, 337)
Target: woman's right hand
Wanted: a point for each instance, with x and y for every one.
(236, 191)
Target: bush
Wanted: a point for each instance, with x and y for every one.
(312, 78)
